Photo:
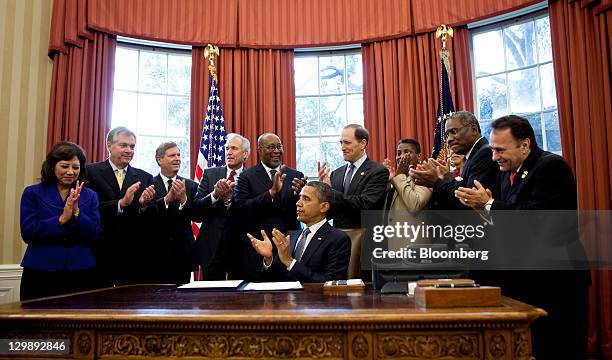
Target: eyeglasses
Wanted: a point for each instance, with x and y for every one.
(274, 147)
(454, 131)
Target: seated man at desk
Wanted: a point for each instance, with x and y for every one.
(320, 253)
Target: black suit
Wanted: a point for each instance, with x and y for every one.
(257, 210)
(366, 192)
(545, 182)
(171, 250)
(325, 258)
(480, 166)
(211, 243)
(119, 250)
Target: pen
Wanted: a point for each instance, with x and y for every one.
(457, 285)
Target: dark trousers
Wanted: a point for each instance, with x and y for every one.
(37, 283)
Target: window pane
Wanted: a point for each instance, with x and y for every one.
(355, 109)
(179, 74)
(305, 69)
(488, 52)
(492, 97)
(536, 124)
(485, 128)
(307, 154)
(333, 114)
(307, 116)
(331, 72)
(331, 152)
(520, 45)
(152, 72)
(553, 135)
(145, 153)
(124, 109)
(549, 94)
(151, 110)
(126, 69)
(524, 91)
(544, 42)
(354, 71)
(178, 116)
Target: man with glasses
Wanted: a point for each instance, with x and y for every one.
(264, 199)
(463, 137)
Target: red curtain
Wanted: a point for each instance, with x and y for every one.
(581, 39)
(257, 90)
(81, 92)
(279, 23)
(401, 88)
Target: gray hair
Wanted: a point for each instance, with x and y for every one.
(110, 138)
(465, 118)
(246, 144)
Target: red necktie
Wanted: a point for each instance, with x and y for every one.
(231, 177)
(512, 176)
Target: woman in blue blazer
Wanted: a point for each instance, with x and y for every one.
(59, 222)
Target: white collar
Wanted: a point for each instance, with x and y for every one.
(359, 162)
(467, 155)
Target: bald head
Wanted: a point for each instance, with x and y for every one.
(270, 149)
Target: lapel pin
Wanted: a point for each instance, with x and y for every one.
(362, 173)
(524, 174)
(318, 238)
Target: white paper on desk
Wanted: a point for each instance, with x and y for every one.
(218, 284)
(271, 286)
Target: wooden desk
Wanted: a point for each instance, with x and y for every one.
(146, 321)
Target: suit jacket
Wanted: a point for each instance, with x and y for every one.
(545, 182)
(480, 166)
(124, 236)
(51, 246)
(325, 258)
(211, 242)
(257, 210)
(366, 192)
(171, 249)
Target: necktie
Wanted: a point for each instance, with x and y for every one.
(169, 185)
(272, 173)
(232, 176)
(119, 176)
(512, 176)
(301, 244)
(347, 179)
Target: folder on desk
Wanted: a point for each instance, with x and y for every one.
(218, 285)
(273, 286)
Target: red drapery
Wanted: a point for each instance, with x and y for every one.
(81, 88)
(401, 79)
(581, 40)
(257, 95)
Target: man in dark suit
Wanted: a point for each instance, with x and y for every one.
(463, 137)
(533, 179)
(171, 250)
(264, 198)
(213, 205)
(358, 185)
(320, 253)
(122, 191)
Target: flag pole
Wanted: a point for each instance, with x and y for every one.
(210, 53)
(445, 106)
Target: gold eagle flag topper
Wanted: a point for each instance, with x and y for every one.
(210, 53)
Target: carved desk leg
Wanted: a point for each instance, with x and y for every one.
(360, 346)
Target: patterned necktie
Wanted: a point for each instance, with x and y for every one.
(272, 173)
(347, 179)
(301, 244)
(232, 176)
(119, 176)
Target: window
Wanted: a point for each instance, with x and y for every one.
(329, 95)
(151, 97)
(513, 70)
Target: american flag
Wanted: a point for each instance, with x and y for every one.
(212, 144)
(445, 109)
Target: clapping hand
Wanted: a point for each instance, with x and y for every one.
(71, 203)
(387, 163)
(147, 195)
(323, 172)
(262, 247)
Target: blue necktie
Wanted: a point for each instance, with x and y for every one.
(301, 244)
(347, 179)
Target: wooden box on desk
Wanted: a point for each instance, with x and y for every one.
(432, 297)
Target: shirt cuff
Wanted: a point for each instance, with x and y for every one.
(291, 265)
(213, 199)
(266, 267)
(488, 206)
(181, 206)
(119, 210)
